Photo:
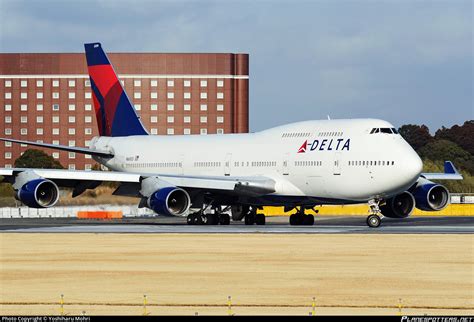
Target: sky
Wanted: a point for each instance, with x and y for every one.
(407, 62)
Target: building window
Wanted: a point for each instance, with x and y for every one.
(186, 131)
(170, 83)
(154, 131)
(8, 131)
(23, 107)
(138, 107)
(87, 119)
(39, 119)
(170, 131)
(220, 119)
(220, 131)
(8, 119)
(72, 155)
(187, 83)
(170, 95)
(8, 96)
(88, 167)
(39, 83)
(220, 95)
(55, 107)
(88, 131)
(55, 95)
(72, 83)
(137, 95)
(187, 107)
(24, 95)
(203, 95)
(55, 119)
(153, 83)
(72, 119)
(56, 155)
(72, 143)
(203, 131)
(88, 107)
(72, 167)
(203, 107)
(8, 83)
(72, 131)
(170, 107)
(137, 83)
(72, 95)
(8, 107)
(8, 155)
(220, 107)
(24, 119)
(154, 119)
(170, 119)
(55, 83)
(220, 83)
(187, 119)
(39, 131)
(154, 107)
(23, 131)
(72, 107)
(203, 83)
(187, 95)
(203, 119)
(87, 83)
(87, 95)
(55, 131)
(56, 142)
(154, 95)
(23, 83)
(39, 107)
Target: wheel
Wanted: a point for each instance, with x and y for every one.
(308, 220)
(212, 219)
(373, 221)
(250, 219)
(260, 219)
(296, 219)
(199, 219)
(224, 219)
(191, 219)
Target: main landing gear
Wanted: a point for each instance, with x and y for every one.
(217, 217)
(301, 219)
(375, 218)
(253, 218)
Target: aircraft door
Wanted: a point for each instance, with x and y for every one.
(227, 164)
(286, 164)
(337, 164)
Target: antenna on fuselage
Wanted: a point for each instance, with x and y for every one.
(329, 118)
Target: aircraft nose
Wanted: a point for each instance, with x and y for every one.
(412, 166)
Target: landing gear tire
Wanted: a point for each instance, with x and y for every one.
(212, 219)
(374, 221)
(260, 219)
(308, 220)
(191, 219)
(250, 219)
(301, 220)
(224, 219)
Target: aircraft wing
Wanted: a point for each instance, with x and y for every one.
(450, 173)
(82, 180)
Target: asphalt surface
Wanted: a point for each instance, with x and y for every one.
(323, 225)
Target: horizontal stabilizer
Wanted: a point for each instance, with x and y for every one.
(102, 154)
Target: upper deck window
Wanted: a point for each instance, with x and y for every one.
(384, 130)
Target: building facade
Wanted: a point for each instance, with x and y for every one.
(47, 98)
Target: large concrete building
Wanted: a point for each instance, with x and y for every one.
(47, 98)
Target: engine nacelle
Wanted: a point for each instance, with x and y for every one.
(38, 193)
(400, 206)
(170, 201)
(431, 196)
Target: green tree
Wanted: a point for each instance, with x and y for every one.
(461, 135)
(416, 135)
(33, 158)
(441, 150)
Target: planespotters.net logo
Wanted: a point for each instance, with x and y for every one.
(326, 145)
(437, 319)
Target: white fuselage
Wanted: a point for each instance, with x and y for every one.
(340, 161)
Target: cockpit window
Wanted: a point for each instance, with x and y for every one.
(385, 130)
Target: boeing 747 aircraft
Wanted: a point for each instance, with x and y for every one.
(299, 166)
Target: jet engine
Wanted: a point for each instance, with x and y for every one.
(38, 193)
(400, 206)
(169, 201)
(431, 196)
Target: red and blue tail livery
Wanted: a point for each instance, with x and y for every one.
(115, 114)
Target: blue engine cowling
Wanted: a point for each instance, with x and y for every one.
(38, 193)
(400, 206)
(431, 196)
(169, 201)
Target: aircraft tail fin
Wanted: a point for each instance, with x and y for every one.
(115, 114)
